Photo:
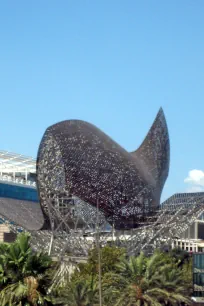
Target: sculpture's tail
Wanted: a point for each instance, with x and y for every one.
(154, 151)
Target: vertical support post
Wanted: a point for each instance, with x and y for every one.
(196, 230)
(99, 256)
(51, 223)
(113, 232)
(50, 246)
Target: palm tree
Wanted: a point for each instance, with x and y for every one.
(187, 276)
(24, 275)
(81, 292)
(113, 284)
(151, 281)
(180, 256)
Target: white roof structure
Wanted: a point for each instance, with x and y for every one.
(12, 163)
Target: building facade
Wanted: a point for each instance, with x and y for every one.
(192, 239)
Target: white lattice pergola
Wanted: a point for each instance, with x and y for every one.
(12, 163)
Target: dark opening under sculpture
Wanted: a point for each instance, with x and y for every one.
(77, 159)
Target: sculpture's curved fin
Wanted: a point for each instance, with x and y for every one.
(154, 152)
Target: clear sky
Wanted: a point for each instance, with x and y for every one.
(112, 63)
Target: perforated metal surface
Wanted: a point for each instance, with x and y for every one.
(76, 158)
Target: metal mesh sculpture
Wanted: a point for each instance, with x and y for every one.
(77, 159)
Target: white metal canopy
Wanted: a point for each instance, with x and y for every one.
(12, 163)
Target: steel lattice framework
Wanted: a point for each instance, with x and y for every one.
(77, 159)
(160, 229)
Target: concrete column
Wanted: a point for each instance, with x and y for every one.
(173, 245)
(196, 230)
(189, 237)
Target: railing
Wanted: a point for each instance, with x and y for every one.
(8, 178)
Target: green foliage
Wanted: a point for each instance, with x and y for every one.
(110, 257)
(187, 276)
(24, 275)
(180, 256)
(80, 292)
(162, 279)
(152, 281)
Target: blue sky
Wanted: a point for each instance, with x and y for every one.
(112, 63)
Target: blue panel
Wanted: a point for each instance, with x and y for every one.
(18, 192)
